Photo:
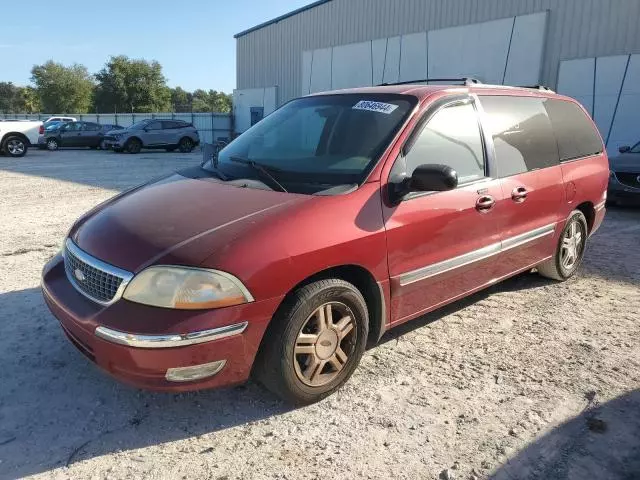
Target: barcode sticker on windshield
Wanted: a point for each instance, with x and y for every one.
(375, 106)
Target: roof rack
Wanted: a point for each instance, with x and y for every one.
(543, 88)
(463, 81)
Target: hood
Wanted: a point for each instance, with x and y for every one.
(626, 162)
(176, 220)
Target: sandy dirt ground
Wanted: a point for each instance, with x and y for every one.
(529, 379)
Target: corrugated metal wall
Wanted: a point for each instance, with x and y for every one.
(577, 28)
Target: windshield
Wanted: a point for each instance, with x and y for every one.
(139, 125)
(316, 143)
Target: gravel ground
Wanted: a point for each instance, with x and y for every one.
(529, 379)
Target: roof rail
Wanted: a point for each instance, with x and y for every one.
(543, 88)
(464, 81)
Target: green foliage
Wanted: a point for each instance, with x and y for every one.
(126, 85)
(123, 85)
(63, 89)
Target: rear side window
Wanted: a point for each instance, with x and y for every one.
(522, 133)
(451, 137)
(577, 137)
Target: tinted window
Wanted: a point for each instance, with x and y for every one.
(73, 127)
(154, 126)
(522, 134)
(577, 137)
(91, 127)
(451, 137)
(168, 124)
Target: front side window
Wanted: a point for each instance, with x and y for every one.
(139, 125)
(315, 143)
(522, 134)
(154, 126)
(73, 127)
(451, 137)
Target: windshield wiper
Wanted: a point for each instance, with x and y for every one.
(262, 171)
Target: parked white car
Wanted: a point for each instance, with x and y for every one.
(16, 136)
(60, 119)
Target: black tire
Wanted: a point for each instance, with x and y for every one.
(133, 145)
(15, 146)
(52, 144)
(170, 149)
(186, 145)
(274, 366)
(555, 268)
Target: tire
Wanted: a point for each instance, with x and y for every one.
(52, 144)
(305, 377)
(559, 267)
(15, 146)
(133, 145)
(186, 145)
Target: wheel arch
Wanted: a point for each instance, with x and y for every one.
(21, 135)
(133, 137)
(366, 283)
(589, 212)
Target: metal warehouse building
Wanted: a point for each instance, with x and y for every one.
(588, 49)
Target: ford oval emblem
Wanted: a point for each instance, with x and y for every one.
(79, 275)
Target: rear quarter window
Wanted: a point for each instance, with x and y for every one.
(522, 133)
(577, 136)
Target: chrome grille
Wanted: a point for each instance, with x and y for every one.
(92, 277)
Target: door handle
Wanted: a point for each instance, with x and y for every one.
(519, 194)
(485, 203)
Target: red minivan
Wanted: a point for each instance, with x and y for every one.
(337, 217)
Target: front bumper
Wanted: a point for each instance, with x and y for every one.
(149, 347)
(619, 192)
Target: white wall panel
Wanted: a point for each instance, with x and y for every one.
(352, 65)
(609, 77)
(524, 65)
(307, 58)
(321, 70)
(478, 50)
(413, 58)
(378, 49)
(626, 126)
(392, 60)
(244, 99)
(576, 80)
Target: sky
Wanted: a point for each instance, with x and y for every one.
(192, 39)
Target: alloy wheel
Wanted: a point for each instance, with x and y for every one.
(52, 145)
(15, 146)
(325, 342)
(572, 245)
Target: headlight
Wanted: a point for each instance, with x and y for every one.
(186, 288)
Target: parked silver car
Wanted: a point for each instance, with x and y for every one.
(154, 133)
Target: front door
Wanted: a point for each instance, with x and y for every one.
(442, 245)
(70, 134)
(528, 165)
(153, 134)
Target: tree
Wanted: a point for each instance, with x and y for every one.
(181, 100)
(211, 101)
(126, 85)
(9, 97)
(63, 89)
(29, 100)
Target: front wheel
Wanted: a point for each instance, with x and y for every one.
(133, 146)
(315, 342)
(570, 250)
(15, 147)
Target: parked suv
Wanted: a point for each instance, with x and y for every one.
(624, 176)
(73, 134)
(154, 133)
(337, 217)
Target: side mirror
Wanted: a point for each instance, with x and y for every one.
(426, 178)
(624, 149)
(433, 178)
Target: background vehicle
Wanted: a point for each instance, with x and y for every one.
(624, 176)
(16, 136)
(73, 134)
(154, 133)
(60, 119)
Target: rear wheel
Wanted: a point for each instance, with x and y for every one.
(186, 145)
(315, 342)
(570, 249)
(52, 144)
(15, 146)
(133, 146)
